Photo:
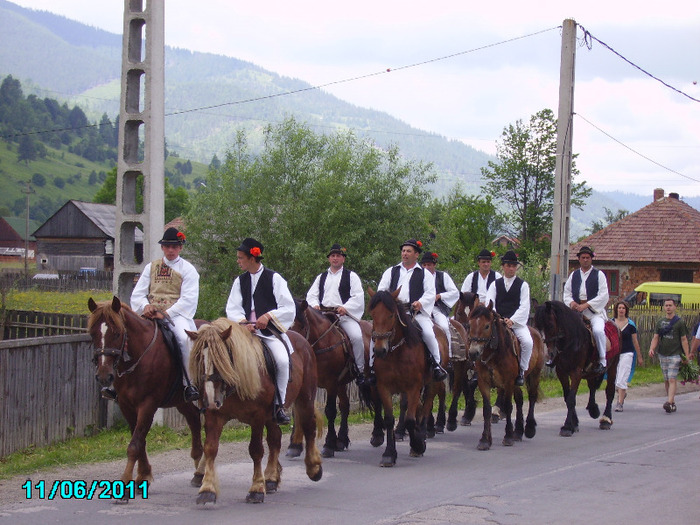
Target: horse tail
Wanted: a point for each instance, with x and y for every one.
(366, 402)
(319, 423)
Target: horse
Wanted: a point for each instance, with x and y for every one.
(228, 367)
(400, 365)
(573, 348)
(496, 353)
(335, 370)
(131, 354)
(462, 383)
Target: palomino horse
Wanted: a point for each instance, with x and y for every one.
(130, 353)
(334, 367)
(400, 365)
(571, 344)
(496, 353)
(228, 366)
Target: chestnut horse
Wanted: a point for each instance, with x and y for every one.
(496, 354)
(400, 365)
(227, 365)
(570, 342)
(130, 354)
(335, 370)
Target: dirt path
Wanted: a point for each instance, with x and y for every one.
(178, 460)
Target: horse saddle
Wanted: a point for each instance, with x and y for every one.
(171, 343)
(459, 347)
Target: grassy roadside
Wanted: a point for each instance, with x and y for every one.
(111, 444)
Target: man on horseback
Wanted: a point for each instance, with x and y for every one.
(260, 299)
(478, 281)
(510, 296)
(341, 289)
(168, 288)
(446, 295)
(586, 291)
(418, 291)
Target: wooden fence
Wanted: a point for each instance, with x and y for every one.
(48, 391)
(21, 324)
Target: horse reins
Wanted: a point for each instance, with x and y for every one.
(324, 334)
(118, 354)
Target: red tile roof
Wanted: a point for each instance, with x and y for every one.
(666, 230)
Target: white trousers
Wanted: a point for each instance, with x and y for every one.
(598, 327)
(354, 333)
(443, 322)
(525, 337)
(279, 353)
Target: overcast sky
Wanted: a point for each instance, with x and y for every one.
(483, 87)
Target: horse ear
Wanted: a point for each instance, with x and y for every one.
(116, 304)
(226, 333)
(371, 292)
(192, 335)
(476, 301)
(395, 293)
(490, 305)
(92, 305)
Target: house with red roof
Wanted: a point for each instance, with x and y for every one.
(660, 242)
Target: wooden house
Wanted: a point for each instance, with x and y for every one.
(81, 235)
(13, 239)
(656, 243)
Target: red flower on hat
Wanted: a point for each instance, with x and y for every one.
(493, 254)
(255, 251)
(434, 255)
(420, 244)
(180, 236)
(344, 250)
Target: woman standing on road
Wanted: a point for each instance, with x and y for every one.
(629, 346)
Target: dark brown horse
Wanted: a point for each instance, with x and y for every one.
(496, 354)
(335, 368)
(131, 355)
(464, 381)
(228, 366)
(570, 342)
(400, 365)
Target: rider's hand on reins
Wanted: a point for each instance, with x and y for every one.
(417, 306)
(261, 322)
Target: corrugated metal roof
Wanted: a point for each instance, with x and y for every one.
(104, 216)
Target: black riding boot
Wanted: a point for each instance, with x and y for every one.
(370, 379)
(191, 393)
(439, 373)
(520, 380)
(281, 416)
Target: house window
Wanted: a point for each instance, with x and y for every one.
(613, 277)
(676, 276)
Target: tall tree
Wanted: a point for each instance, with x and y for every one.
(523, 178)
(609, 218)
(26, 150)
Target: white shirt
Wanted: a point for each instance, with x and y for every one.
(284, 313)
(427, 300)
(355, 305)
(186, 305)
(451, 293)
(522, 314)
(599, 302)
(482, 284)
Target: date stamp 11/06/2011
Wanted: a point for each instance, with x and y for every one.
(87, 490)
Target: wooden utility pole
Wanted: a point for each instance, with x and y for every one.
(559, 262)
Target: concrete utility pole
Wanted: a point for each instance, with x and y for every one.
(559, 262)
(28, 191)
(141, 140)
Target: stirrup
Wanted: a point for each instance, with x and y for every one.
(109, 393)
(281, 416)
(191, 393)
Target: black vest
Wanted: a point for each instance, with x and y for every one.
(440, 288)
(507, 303)
(591, 285)
(343, 288)
(475, 281)
(415, 285)
(263, 297)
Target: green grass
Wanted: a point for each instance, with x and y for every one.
(111, 444)
(54, 302)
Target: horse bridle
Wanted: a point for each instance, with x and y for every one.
(376, 336)
(324, 334)
(119, 354)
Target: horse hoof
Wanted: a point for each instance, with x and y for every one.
(270, 487)
(483, 445)
(318, 475)
(451, 426)
(327, 452)
(507, 442)
(341, 446)
(530, 433)
(255, 497)
(415, 454)
(387, 461)
(465, 422)
(439, 430)
(495, 418)
(594, 411)
(294, 451)
(206, 497)
(377, 440)
(605, 423)
(196, 480)
(399, 437)
(518, 438)
(565, 432)
(430, 434)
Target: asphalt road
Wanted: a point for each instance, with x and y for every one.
(643, 471)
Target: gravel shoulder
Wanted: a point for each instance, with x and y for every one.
(179, 460)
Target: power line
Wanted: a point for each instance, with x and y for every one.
(587, 37)
(633, 150)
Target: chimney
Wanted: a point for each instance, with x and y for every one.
(674, 196)
(658, 194)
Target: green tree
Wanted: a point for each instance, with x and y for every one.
(38, 180)
(609, 218)
(523, 178)
(26, 151)
(301, 194)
